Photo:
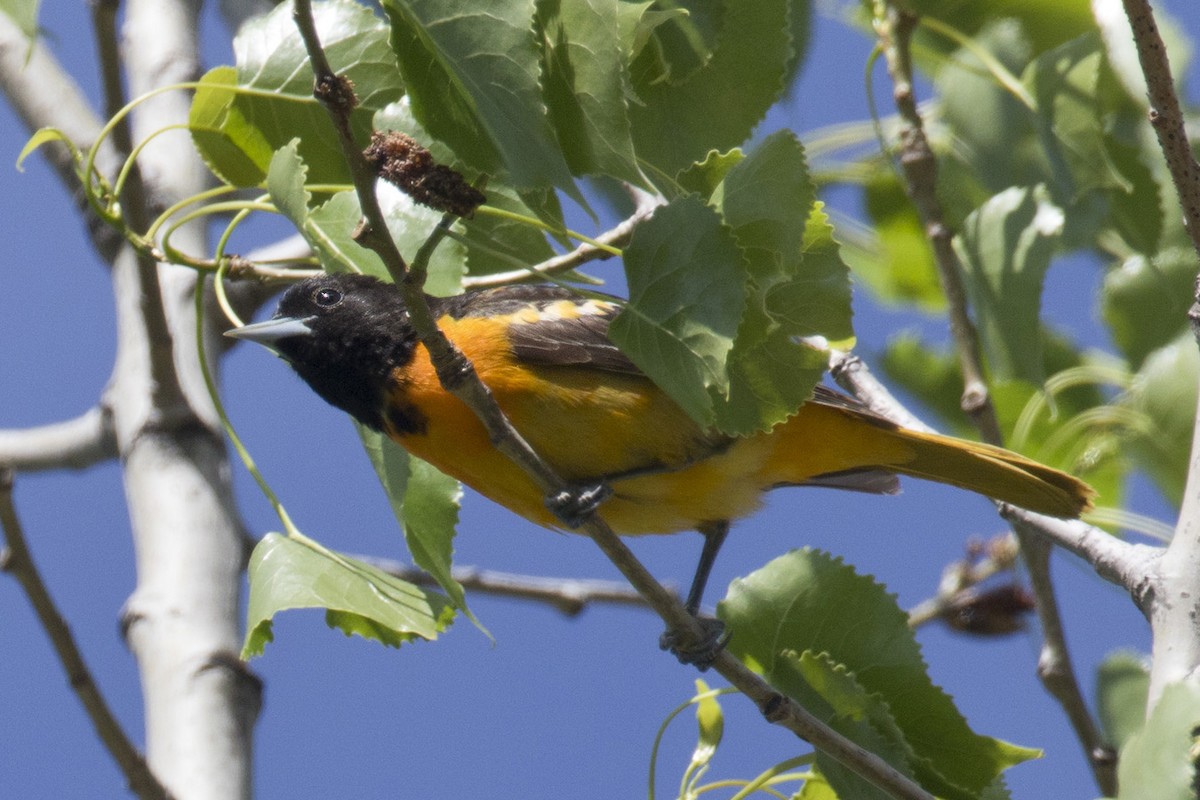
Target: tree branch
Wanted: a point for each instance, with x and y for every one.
(1055, 667)
(618, 236)
(167, 393)
(569, 595)
(1165, 115)
(1175, 648)
(17, 561)
(75, 444)
(919, 165)
(1176, 645)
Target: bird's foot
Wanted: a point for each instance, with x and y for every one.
(698, 653)
(573, 505)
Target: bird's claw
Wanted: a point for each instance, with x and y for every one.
(573, 505)
(698, 653)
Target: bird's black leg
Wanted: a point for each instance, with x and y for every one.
(702, 653)
(714, 536)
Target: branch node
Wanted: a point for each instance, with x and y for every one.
(335, 92)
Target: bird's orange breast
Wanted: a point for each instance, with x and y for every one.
(666, 474)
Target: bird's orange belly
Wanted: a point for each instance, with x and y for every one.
(721, 487)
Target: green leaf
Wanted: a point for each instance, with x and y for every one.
(723, 94)
(425, 503)
(816, 787)
(287, 573)
(1046, 24)
(240, 118)
(711, 724)
(1005, 247)
(809, 603)
(500, 244)
(329, 228)
(43, 136)
(24, 13)
(1065, 82)
(1157, 762)
(703, 177)
(899, 266)
(1136, 215)
(859, 715)
(287, 175)
(686, 300)
(473, 78)
(994, 136)
(228, 141)
(1163, 398)
(799, 287)
(431, 503)
(1145, 301)
(586, 79)
(1122, 684)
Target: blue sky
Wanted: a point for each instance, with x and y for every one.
(555, 707)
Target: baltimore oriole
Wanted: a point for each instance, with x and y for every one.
(590, 412)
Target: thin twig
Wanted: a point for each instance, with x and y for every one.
(919, 166)
(17, 561)
(1055, 667)
(458, 376)
(960, 578)
(617, 236)
(569, 595)
(1165, 115)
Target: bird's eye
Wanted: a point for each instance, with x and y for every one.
(327, 298)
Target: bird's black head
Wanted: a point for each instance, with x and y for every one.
(344, 335)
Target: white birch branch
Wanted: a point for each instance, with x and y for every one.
(72, 444)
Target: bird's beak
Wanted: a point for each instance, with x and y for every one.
(269, 333)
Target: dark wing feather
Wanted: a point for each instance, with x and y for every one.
(549, 325)
(574, 342)
(826, 396)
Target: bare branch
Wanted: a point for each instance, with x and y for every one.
(853, 375)
(569, 595)
(959, 579)
(1176, 646)
(618, 236)
(74, 444)
(17, 561)
(1055, 668)
(1165, 115)
(920, 172)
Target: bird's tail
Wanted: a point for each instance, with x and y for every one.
(995, 472)
(838, 443)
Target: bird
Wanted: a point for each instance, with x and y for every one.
(597, 420)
